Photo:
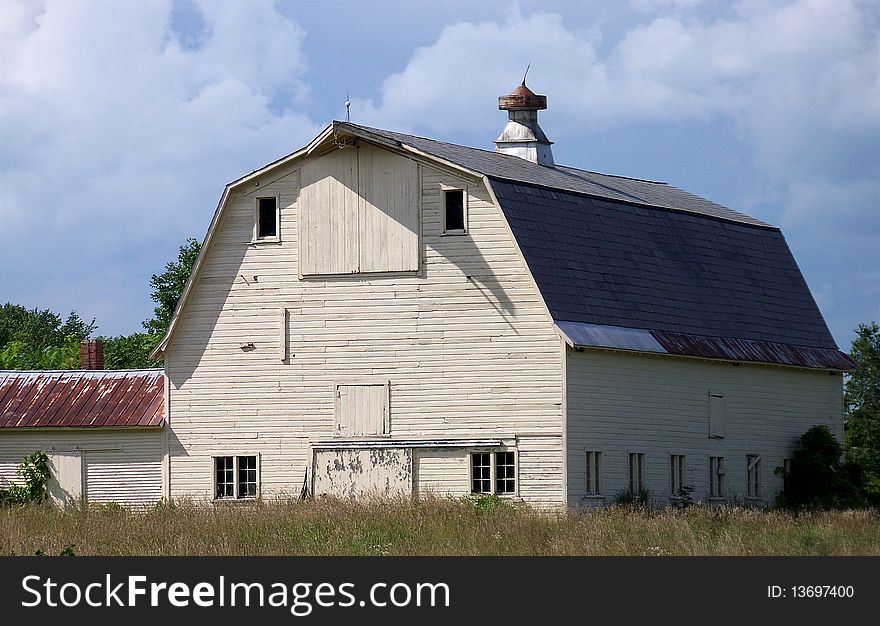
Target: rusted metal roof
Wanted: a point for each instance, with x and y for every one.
(82, 398)
(750, 350)
(720, 348)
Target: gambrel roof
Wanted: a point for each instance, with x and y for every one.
(659, 269)
(637, 265)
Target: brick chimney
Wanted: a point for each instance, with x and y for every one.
(522, 137)
(91, 354)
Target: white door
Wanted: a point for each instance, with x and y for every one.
(66, 483)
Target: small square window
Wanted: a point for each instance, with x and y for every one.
(453, 211)
(267, 218)
(493, 472)
(235, 477)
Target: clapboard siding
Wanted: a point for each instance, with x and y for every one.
(135, 477)
(440, 472)
(464, 341)
(620, 403)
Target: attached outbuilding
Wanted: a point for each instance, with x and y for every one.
(102, 430)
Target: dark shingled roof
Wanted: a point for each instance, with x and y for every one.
(609, 253)
(508, 167)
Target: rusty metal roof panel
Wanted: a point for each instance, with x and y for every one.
(750, 350)
(82, 398)
(716, 348)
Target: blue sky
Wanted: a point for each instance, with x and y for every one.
(120, 123)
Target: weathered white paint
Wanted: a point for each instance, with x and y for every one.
(441, 472)
(359, 212)
(353, 473)
(465, 341)
(362, 410)
(103, 465)
(65, 486)
(658, 405)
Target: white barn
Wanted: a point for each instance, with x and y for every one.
(379, 313)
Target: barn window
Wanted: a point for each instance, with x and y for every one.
(267, 218)
(236, 477)
(493, 472)
(454, 212)
(677, 470)
(753, 476)
(594, 473)
(716, 476)
(636, 472)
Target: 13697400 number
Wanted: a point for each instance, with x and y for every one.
(822, 591)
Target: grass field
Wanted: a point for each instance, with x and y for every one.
(432, 527)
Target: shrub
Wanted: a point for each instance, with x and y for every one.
(817, 478)
(633, 498)
(485, 501)
(34, 471)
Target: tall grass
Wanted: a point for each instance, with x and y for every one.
(432, 527)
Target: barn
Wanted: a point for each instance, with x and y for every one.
(101, 429)
(384, 314)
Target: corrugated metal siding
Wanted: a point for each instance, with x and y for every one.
(82, 398)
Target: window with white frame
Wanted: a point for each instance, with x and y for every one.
(266, 219)
(636, 472)
(493, 472)
(753, 476)
(236, 477)
(716, 476)
(594, 473)
(454, 211)
(677, 470)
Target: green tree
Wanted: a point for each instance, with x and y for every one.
(862, 401)
(34, 339)
(168, 286)
(130, 351)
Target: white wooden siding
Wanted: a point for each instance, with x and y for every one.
(620, 403)
(441, 472)
(127, 463)
(465, 342)
(361, 410)
(389, 211)
(329, 214)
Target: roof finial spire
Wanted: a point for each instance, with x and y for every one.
(347, 107)
(526, 74)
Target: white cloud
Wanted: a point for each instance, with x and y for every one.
(799, 80)
(118, 138)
